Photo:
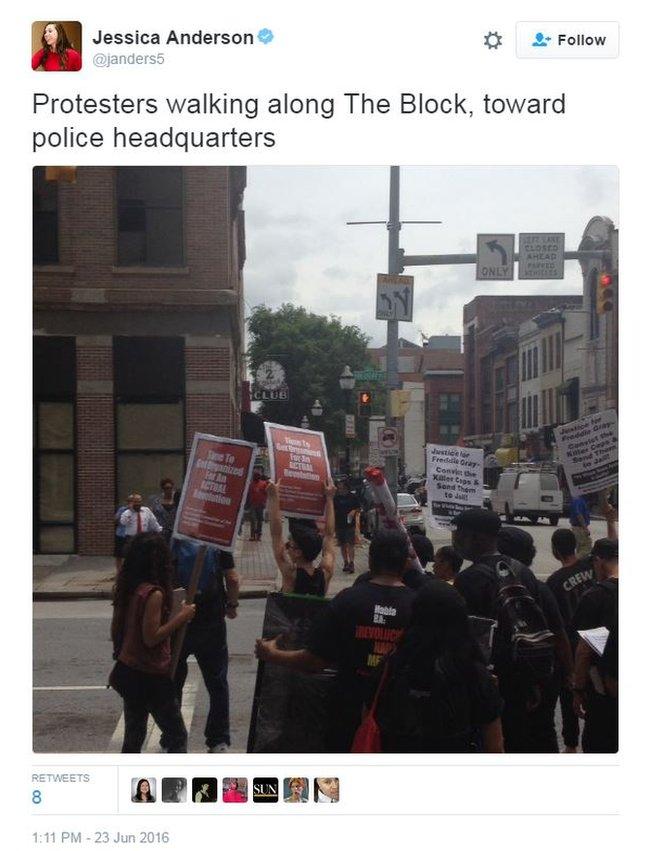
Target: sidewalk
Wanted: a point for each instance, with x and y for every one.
(91, 577)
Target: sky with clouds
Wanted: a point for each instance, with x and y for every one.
(300, 250)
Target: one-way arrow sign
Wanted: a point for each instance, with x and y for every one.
(495, 257)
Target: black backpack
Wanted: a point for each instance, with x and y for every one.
(523, 644)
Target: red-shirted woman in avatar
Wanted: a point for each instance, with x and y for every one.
(57, 53)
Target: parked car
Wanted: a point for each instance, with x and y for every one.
(528, 492)
(408, 508)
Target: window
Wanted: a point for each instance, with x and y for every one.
(511, 371)
(558, 350)
(449, 433)
(550, 354)
(150, 216)
(551, 394)
(54, 445)
(498, 412)
(548, 482)
(535, 410)
(523, 366)
(499, 379)
(523, 413)
(543, 355)
(535, 362)
(543, 407)
(530, 412)
(511, 414)
(45, 218)
(149, 413)
(529, 364)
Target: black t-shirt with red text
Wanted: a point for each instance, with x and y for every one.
(360, 625)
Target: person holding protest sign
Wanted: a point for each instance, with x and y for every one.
(217, 598)
(295, 557)
(141, 630)
(356, 630)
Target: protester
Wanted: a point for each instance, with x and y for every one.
(568, 584)
(164, 508)
(295, 557)
(598, 607)
(257, 504)
(518, 544)
(447, 564)
(120, 538)
(217, 598)
(580, 519)
(138, 518)
(141, 629)
(356, 630)
(438, 696)
(483, 585)
(346, 508)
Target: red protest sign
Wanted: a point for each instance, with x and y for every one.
(298, 457)
(214, 490)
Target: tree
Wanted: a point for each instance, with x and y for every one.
(313, 350)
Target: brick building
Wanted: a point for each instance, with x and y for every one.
(138, 328)
(491, 327)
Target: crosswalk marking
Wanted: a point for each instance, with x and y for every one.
(153, 733)
(69, 688)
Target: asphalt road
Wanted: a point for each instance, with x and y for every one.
(75, 713)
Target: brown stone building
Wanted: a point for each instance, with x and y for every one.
(138, 327)
(491, 347)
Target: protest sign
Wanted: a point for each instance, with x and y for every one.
(588, 450)
(298, 457)
(214, 491)
(454, 481)
(290, 708)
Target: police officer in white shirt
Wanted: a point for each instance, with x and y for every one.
(138, 518)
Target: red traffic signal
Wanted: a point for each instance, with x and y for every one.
(365, 403)
(605, 295)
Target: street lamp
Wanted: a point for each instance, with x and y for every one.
(304, 423)
(346, 383)
(317, 409)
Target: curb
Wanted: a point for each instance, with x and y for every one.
(44, 596)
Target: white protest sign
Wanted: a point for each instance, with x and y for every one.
(454, 481)
(588, 450)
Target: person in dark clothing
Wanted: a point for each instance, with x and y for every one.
(519, 544)
(568, 584)
(476, 539)
(354, 633)
(412, 577)
(346, 508)
(598, 607)
(295, 558)
(438, 696)
(447, 564)
(217, 598)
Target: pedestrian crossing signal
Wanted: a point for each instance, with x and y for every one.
(365, 403)
(605, 295)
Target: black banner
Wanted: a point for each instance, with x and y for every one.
(289, 713)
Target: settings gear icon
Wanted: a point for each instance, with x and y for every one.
(492, 40)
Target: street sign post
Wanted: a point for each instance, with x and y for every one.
(495, 256)
(388, 441)
(541, 256)
(350, 429)
(395, 297)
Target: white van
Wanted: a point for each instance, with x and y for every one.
(526, 492)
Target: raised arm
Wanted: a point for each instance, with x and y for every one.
(328, 560)
(275, 525)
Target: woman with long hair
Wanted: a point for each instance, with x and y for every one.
(438, 696)
(56, 53)
(141, 629)
(143, 793)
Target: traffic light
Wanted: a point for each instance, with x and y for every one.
(605, 294)
(365, 403)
